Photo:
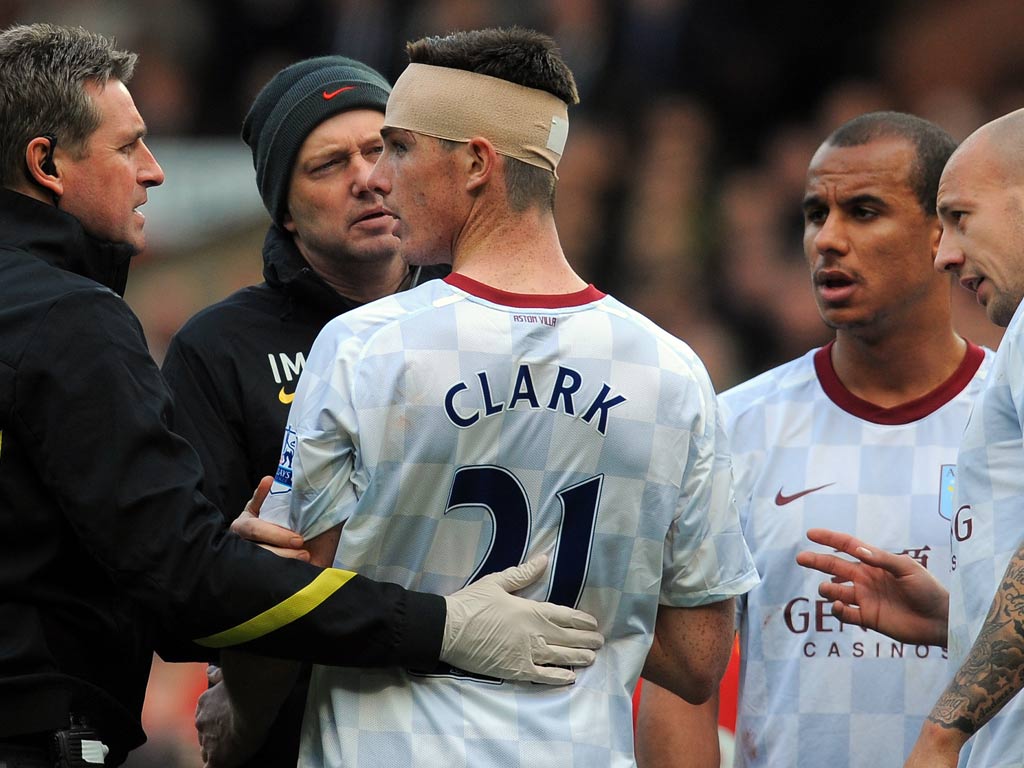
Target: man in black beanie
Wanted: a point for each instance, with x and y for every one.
(314, 131)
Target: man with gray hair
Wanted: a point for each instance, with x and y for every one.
(106, 543)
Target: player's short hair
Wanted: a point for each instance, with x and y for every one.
(521, 56)
(43, 71)
(932, 147)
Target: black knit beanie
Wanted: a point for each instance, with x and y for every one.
(295, 101)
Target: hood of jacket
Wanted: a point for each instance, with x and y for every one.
(287, 272)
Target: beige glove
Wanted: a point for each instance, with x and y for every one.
(491, 632)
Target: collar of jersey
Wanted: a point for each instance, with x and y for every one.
(899, 414)
(588, 295)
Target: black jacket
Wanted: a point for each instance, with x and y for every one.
(104, 535)
(232, 369)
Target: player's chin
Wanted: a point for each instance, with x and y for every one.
(425, 257)
(843, 319)
(1000, 310)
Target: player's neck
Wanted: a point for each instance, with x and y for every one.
(519, 253)
(894, 369)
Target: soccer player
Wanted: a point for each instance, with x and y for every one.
(981, 205)
(508, 410)
(859, 434)
(107, 547)
(314, 132)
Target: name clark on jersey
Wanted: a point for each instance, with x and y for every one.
(561, 397)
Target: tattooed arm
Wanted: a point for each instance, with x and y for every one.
(990, 676)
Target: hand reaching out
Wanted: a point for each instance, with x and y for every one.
(893, 594)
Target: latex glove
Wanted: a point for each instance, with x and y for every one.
(492, 632)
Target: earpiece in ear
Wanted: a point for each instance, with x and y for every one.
(48, 166)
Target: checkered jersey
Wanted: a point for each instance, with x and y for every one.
(988, 526)
(455, 431)
(808, 453)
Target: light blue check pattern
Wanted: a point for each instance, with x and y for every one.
(378, 450)
(815, 692)
(991, 484)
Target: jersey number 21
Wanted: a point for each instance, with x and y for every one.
(499, 492)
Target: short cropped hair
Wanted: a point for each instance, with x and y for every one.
(521, 56)
(932, 147)
(43, 71)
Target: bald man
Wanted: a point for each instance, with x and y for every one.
(981, 206)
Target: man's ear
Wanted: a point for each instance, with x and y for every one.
(481, 162)
(41, 167)
(935, 237)
(288, 223)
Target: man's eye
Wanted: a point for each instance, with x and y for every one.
(815, 215)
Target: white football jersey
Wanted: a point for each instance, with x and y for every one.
(456, 430)
(808, 453)
(988, 527)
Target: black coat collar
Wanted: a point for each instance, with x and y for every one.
(58, 239)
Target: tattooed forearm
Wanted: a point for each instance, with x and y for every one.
(994, 670)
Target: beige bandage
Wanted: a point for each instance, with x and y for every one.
(525, 123)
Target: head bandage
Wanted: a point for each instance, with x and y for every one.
(525, 123)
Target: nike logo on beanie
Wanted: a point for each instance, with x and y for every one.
(332, 94)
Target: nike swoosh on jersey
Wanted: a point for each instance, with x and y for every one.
(285, 397)
(781, 499)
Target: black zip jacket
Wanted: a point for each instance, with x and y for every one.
(233, 369)
(104, 535)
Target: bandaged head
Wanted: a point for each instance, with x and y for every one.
(528, 124)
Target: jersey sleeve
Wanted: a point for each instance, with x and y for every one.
(706, 556)
(314, 488)
(94, 412)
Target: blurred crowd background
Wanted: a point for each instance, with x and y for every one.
(679, 190)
